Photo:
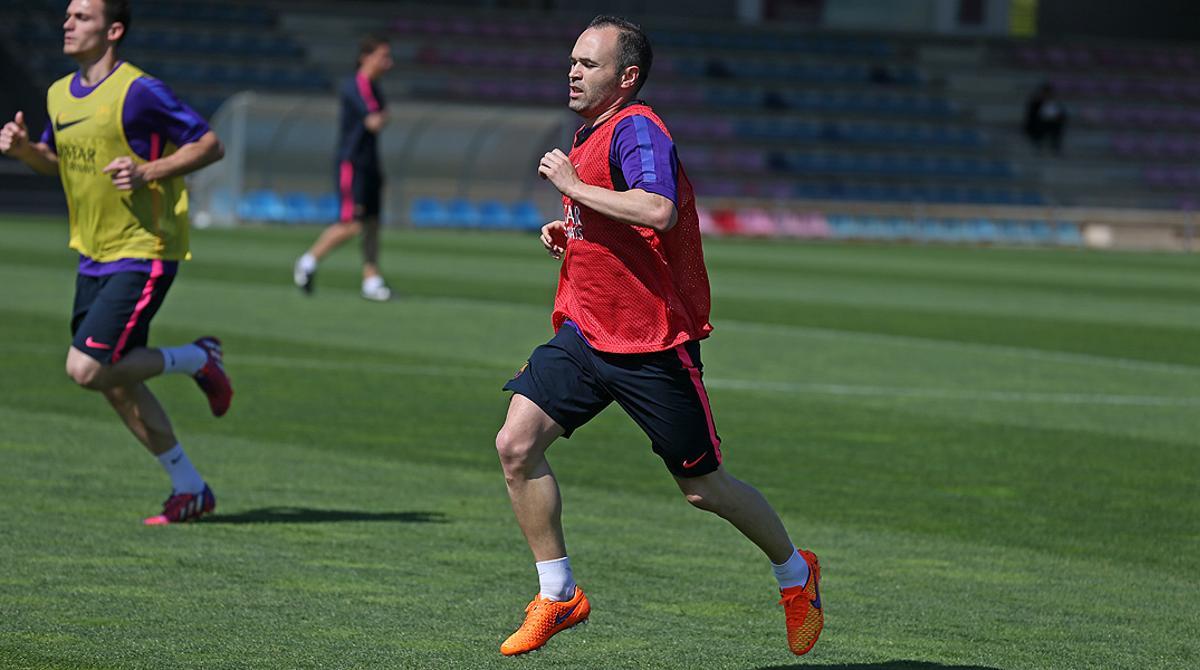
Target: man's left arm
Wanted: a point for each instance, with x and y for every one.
(171, 120)
(634, 207)
(127, 175)
(645, 170)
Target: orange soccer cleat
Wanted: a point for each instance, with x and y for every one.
(802, 606)
(544, 618)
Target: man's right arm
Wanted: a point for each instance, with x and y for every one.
(14, 141)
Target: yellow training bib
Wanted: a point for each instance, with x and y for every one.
(107, 224)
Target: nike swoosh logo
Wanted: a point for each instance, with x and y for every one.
(60, 126)
(816, 601)
(96, 345)
(687, 465)
(563, 615)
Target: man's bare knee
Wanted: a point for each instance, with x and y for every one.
(515, 451)
(703, 500)
(85, 371)
(706, 493)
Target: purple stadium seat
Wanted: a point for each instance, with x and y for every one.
(1080, 57)
(1185, 61)
(1161, 59)
(460, 27)
(1113, 88)
(1110, 56)
(491, 89)
(1178, 147)
(1124, 144)
(431, 26)
(1028, 56)
(1057, 57)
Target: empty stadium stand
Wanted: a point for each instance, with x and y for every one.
(796, 123)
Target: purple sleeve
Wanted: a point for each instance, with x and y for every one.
(153, 113)
(48, 136)
(647, 157)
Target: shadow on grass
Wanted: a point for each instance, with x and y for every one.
(309, 515)
(886, 665)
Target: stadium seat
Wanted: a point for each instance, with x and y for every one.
(428, 212)
(463, 212)
(300, 208)
(495, 214)
(526, 216)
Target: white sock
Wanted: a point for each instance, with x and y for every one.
(794, 572)
(372, 283)
(187, 359)
(308, 263)
(555, 579)
(184, 477)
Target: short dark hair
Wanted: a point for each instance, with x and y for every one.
(633, 47)
(368, 44)
(118, 11)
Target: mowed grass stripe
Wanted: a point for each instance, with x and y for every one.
(912, 439)
(371, 578)
(856, 284)
(1060, 269)
(1106, 336)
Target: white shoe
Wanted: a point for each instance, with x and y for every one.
(374, 289)
(303, 277)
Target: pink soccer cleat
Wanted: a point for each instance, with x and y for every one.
(211, 378)
(181, 507)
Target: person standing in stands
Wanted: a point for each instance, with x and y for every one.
(631, 308)
(1045, 119)
(121, 142)
(358, 173)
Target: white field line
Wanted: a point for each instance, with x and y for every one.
(500, 374)
(854, 335)
(934, 343)
(1033, 397)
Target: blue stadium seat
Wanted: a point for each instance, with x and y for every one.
(261, 206)
(495, 214)
(905, 229)
(299, 208)
(428, 212)
(1067, 234)
(1040, 232)
(844, 227)
(526, 216)
(462, 212)
(986, 231)
(1016, 232)
(930, 230)
(328, 207)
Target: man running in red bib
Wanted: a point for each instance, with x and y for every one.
(631, 309)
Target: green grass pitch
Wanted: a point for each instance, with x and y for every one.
(996, 454)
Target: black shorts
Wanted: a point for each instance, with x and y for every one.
(112, 313)
(360, 192)
(662, 392)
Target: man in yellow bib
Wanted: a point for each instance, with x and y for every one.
(121, 142)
